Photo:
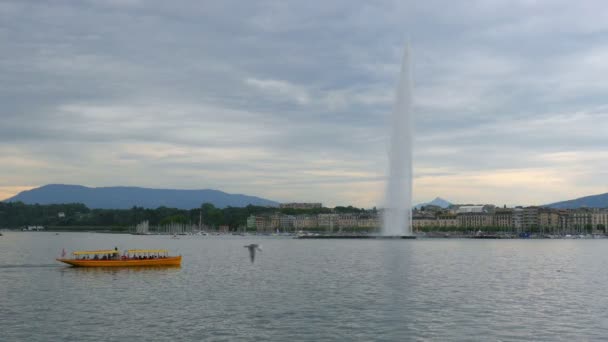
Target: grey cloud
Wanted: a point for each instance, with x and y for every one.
(288, 86)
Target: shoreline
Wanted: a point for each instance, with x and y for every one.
(320, 236)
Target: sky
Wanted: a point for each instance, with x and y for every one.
(291, 100)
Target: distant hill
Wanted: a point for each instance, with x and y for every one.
(120, 197)
(595, 201)
(440, 202)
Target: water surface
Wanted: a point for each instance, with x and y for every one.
(535, 290)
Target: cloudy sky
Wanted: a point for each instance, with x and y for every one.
(291, 100)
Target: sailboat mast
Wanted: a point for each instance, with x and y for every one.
(200, 220)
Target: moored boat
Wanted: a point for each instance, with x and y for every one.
(132, 257)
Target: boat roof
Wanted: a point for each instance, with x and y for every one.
(102, 251)
(148, 251)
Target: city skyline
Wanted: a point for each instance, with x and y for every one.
(291, 102)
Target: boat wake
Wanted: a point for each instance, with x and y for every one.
(29, 266)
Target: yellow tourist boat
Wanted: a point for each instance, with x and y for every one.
(132, 257)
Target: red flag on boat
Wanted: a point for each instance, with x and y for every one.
(63, 253)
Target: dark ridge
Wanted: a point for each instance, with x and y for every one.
(123, 197)
(594, 201)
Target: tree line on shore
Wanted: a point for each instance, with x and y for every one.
(76, 215)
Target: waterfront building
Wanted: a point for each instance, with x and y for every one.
(262, 224)
(348, 220)
(530, 219)
(275, 222)
(564, 222)
(369, 221)
(580, 221)
(518, 219)
(599, 220)
(548, 220)
(503, 218)
(470, 209)
(251, 222)
(286, 222)
(447, 220)
(422, 221)
(474, 220)
(328, 221)
(303, 222)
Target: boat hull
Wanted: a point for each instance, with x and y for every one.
(170, 261)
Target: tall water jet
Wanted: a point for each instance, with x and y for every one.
(398, 205)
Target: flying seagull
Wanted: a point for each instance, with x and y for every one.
(252, 248)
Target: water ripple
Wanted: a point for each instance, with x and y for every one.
(427, 290)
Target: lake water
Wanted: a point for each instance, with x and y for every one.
(306, 290)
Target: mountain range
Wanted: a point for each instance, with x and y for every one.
(594, 201)
(121, 197)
